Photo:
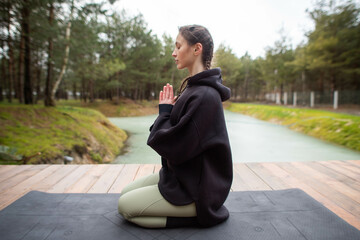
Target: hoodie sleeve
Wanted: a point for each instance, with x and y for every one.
(200, 127)
(177, 142)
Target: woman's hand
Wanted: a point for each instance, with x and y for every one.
(166, 96)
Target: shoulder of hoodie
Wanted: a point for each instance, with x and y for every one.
(204, 93)
(201, 95)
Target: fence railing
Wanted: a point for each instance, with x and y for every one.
(312, 98)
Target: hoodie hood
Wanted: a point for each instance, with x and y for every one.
(213, 79)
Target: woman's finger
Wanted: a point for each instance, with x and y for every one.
(164, 93)
(161, 96)
(167, 93)
(171, 93)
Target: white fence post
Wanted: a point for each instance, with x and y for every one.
(312, 99)
(336, 99)
(285, 98)
(294, 99)
(277, 98)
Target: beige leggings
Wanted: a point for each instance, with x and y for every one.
(142, 203)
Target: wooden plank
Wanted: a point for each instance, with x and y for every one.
(340, 177)
(22, 188)
(24, 173)
(322, 187)
(324, 199)
(350, 166)
(49, 182)
(70, 179)
(340, 186)
(32, 180)
(157, 168)
(355, 162)
(270, 179)
(126, 176)
(144, 170)
(13, 171)
(337, 168)
(250, 178)
(107, 179)
(238, 183)
(88, 179)
(6, 168)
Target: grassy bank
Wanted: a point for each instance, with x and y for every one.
(337, 128)
(35, 134)
(120, 108)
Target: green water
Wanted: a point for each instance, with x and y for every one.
(251, 140)
(136, 150)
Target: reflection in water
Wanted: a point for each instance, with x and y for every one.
(251, 140)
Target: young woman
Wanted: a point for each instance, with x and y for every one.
(190, 136)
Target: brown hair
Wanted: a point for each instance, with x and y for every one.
(198, 34)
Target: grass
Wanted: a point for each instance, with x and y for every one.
(56, 132)
(342, 129)
(120, 108)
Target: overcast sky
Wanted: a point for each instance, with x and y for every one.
(243, 25)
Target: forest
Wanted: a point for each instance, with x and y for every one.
(60, 49)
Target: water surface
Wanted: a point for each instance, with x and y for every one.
(136, 150)
(251, 140)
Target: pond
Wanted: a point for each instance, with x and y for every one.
(251, 140)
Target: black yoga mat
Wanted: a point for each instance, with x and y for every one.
(284, 214)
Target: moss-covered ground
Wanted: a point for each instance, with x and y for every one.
(38, 134)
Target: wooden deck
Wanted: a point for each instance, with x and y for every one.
(333, 183)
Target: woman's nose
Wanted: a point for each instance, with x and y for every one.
(173, 54)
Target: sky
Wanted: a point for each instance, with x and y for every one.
(243, 25)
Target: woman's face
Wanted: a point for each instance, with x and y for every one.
(183, 53)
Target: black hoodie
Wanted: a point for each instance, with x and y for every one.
(192, 139)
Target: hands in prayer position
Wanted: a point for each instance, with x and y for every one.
(166, 96)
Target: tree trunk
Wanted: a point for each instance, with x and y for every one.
(3, 75)
(320, 83)
(11, 57)
(38, 83)
(356, 82)
(246, 81)
(136, 90)
(66, 57)
(303, 81)
(83, 90)
(1, 80)
(117, 77)
(110, 95)
(246, 86)
(20, 81)
(333, 83)
(74, 90)
(27, 81)
(91, 90)
(47, 95)
(234, 93)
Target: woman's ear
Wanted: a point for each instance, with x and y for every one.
(198, 49)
